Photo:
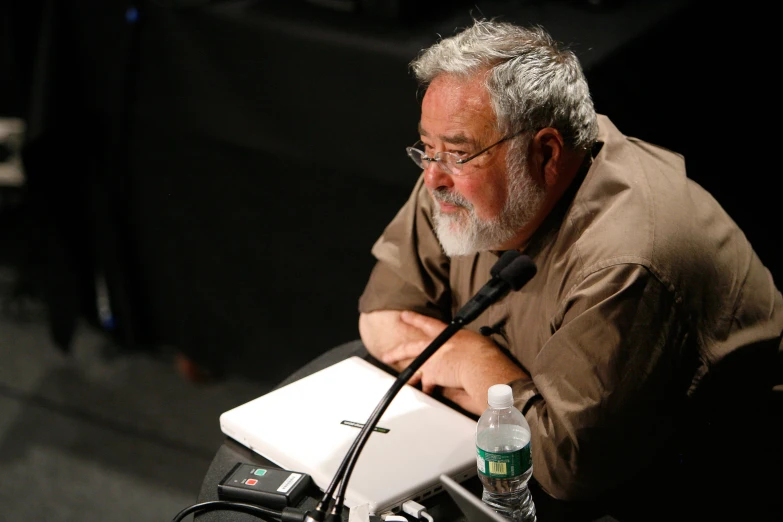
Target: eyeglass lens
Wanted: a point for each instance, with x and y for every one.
(446, 161)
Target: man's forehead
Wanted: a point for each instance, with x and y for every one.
(456, 137)
(456, 110)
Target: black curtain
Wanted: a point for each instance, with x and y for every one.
(72, 156)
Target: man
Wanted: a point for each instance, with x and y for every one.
(647, 300)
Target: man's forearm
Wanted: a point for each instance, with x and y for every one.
(383, 330)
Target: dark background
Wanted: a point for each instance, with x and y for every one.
(227, 166)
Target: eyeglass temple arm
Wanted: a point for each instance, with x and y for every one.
(482, 151)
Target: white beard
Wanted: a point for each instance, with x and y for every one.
(463, 233)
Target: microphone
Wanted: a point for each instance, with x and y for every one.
(505, 259)
(515, 271)
(511, 272)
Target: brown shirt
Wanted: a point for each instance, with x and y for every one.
(644, 285)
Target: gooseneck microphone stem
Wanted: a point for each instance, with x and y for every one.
(511, 271)
(345, 470)
(374, 418)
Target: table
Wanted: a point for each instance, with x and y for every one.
(440, 506)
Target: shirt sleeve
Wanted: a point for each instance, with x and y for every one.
(411, 271)
(604, 391)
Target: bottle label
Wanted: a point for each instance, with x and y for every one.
(503, 465)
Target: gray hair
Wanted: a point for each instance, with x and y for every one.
(532, 82)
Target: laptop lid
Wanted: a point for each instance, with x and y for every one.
(310, 424)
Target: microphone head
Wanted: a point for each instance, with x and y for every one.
(503, 261)
(518, 272)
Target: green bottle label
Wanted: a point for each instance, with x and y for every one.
(503, 465)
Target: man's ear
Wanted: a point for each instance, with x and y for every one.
(547, 148)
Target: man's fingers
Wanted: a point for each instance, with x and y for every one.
(462, 399)
(404, 352)
(456, 395)
(428, 387)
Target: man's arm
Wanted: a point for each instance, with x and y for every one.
(463, 368)
(383, 331)
(610, 381)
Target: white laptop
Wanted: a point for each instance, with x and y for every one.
(310, 424)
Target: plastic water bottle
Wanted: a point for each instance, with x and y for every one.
(503, 457)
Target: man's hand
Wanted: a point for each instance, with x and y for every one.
(464, 367)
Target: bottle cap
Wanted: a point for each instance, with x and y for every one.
(500, 396)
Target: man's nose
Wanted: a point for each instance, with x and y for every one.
(435, 177)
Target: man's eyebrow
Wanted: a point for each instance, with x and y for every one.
(456, 139)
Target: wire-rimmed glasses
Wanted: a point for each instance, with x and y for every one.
(450, 163)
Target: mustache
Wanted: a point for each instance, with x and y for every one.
(451, 198)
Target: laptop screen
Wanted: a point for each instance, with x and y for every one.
(471, 506)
